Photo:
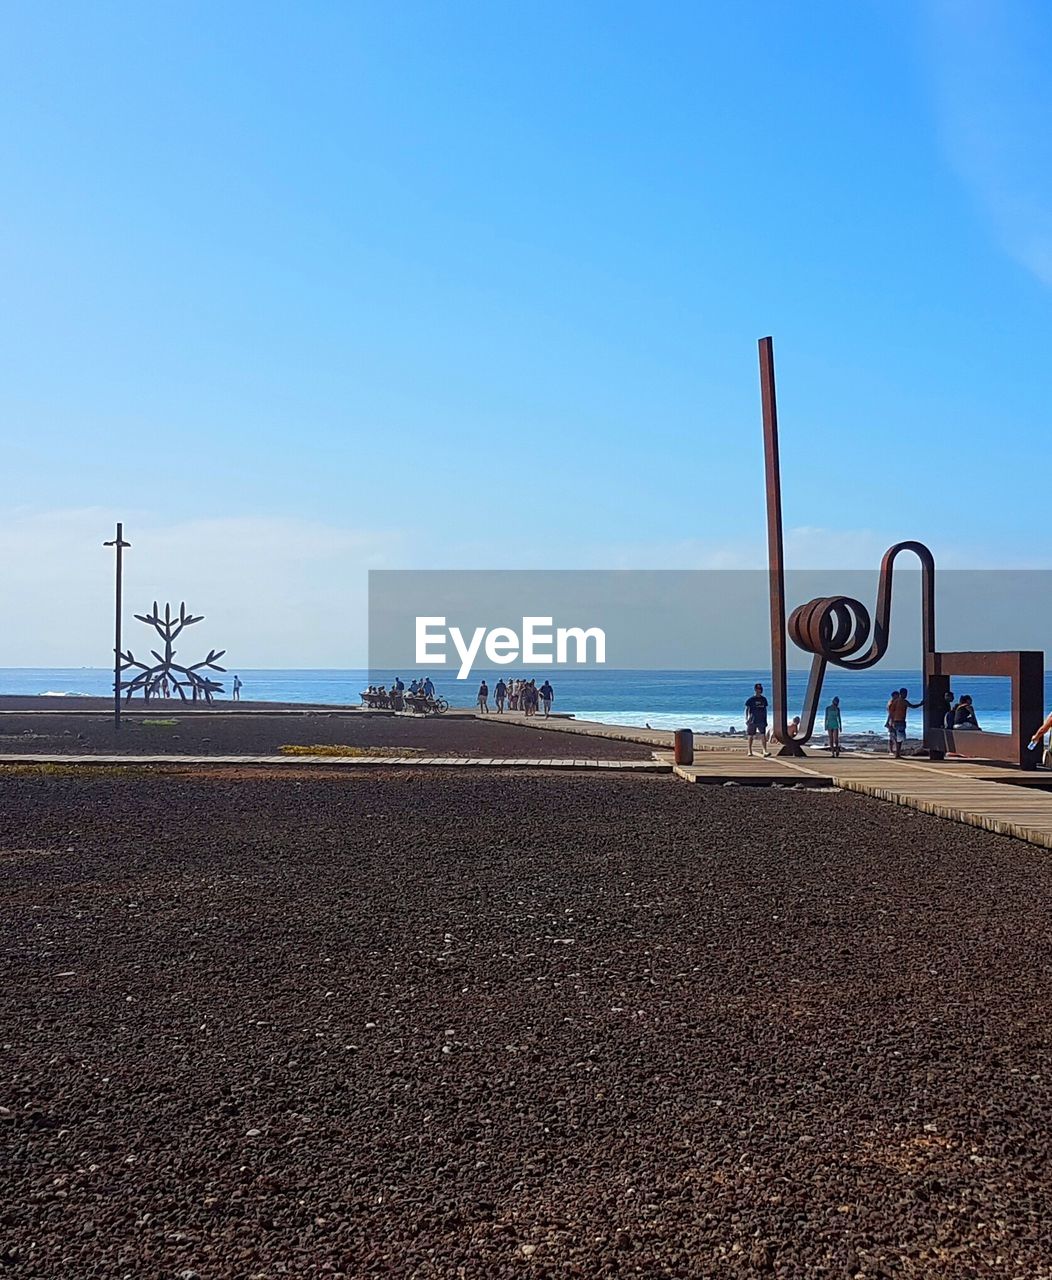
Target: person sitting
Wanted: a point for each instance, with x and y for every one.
(964, 714)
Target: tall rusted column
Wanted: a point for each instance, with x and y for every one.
(775, 549)
(120, 544)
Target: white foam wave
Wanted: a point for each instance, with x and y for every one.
(700, 722)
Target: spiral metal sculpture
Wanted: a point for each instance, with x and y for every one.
(839, 629)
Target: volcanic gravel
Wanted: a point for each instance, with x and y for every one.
(509, 1025)
(230, 733)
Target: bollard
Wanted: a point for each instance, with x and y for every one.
(684, 746)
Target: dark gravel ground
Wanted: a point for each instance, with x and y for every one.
(228, 733)
(504, 1025)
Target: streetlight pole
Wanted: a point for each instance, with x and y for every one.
(120, 544)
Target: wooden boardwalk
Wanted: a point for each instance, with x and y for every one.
(977, 793)
(339, 762)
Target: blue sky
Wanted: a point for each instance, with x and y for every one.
(298, 290)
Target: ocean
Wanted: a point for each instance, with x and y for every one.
(705, 701)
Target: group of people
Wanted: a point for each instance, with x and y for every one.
(899, 706)
(958, 715)
(161, 687)
(756, 723)
(425, 686)
(517, 695)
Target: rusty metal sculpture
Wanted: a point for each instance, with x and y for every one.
(839, 630)
(151, 679)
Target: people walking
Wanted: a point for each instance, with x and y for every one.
(547, 697)
(834, 723)
(237, 688)
(483, 697)
(500, 693)
(756, 718)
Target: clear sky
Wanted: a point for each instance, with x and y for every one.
(296, 290)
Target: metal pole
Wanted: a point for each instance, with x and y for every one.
(120, 544)
(775, 550)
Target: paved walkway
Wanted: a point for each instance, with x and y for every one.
(345, 762)
(617, 732)
(977, 793)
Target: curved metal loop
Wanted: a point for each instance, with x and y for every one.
(837, 628)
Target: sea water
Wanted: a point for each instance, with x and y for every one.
(706, 701)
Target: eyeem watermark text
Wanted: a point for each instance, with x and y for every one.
(539, 643)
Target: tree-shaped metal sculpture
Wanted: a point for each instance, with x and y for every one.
(149, 679)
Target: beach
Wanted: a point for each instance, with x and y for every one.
(404, 1024)
(707, 701)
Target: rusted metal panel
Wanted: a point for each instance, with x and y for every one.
(1026, 670)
